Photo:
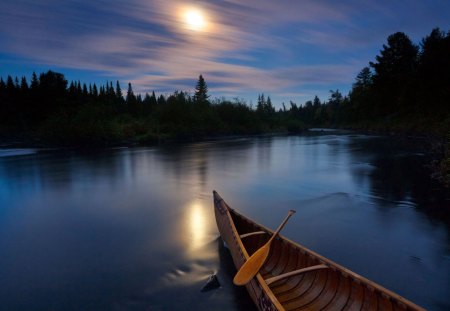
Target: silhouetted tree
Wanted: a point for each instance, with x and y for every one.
(201, 90)
(395, 72)
(118, 90)
(434, 72)
(34, 81)
(24, 85)
(94, 90)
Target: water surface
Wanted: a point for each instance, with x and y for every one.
(134, 229)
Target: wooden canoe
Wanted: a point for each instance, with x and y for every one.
(296, 278)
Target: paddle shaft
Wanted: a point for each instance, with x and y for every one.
(291, 212)
(251, 267)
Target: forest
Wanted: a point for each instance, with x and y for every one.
(405, 90)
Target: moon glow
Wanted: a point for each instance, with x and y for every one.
(194, 20)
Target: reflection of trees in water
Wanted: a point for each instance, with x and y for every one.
(399, 173)
(191, 162)
(264, 149)
(406, 178)
(58, 170)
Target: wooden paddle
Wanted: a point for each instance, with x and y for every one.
(251, 267)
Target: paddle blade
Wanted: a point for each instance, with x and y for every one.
(251, 267)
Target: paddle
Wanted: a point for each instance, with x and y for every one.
(251, 267)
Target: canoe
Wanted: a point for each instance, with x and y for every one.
(296, 278)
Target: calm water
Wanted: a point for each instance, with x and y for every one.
(133, 229)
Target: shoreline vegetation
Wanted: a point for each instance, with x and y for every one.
(405, 91)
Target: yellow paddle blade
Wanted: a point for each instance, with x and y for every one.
(251, 267)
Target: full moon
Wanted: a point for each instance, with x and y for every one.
(194, 20)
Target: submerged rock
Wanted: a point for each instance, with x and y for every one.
(212, 283)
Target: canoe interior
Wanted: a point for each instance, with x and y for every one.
(335, 288)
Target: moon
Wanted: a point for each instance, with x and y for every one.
(194, 20)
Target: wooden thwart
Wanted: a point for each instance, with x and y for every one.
(251, 233)
(295, 272)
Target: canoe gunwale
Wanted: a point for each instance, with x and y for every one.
(260, 280)
(344, 272)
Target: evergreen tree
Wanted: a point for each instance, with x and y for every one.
(161, 100)
(364, 79)
(361, 97)
(269, 107)
(132, 101)
(261, 104)
(395, 72)
(130, 95)
(118, 90)
(102, 92)
(72, 88)
(201, 91)
(397, 59)
(110, 90)
(24, 85)
(34, 81)
(153, 101)
(10, 87)
(434, 71)
(316, 102)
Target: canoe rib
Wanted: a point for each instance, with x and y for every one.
(295, 272)
(298, 277)
(251, 233)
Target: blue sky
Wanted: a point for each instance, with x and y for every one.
(290, 50)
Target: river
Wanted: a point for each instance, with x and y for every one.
(134, 228)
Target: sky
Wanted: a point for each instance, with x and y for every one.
(289, 50)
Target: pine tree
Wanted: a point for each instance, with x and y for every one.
(118, 90)
(153, 101)
(10, 85)
(110, 90)
(316, 102)
(130, 95)
(269, 107)
(201, 91)
(161, 100)
(34, 81)
(364, 79)
(24, 85)
(261, 103)
(95, 90)
(395, 72)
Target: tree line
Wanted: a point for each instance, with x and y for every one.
(406, 89)
(52, 110)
